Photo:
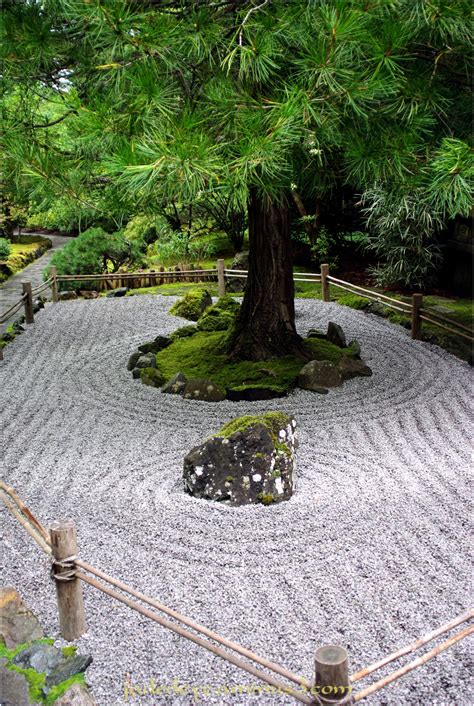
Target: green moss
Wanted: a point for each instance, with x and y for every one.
(229, 479)
(274, 421)
(220, 316)
(57, 691)
(193, 304)
(276, 474)
(259, 455)
(9, 654)
(283, 448)
(266, 498)
(183, 332)
(35, 681)
(354, 301)
(152, 377)
(69, 651)
(204, 355)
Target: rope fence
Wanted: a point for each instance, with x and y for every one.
(135, 280)
(331, 684)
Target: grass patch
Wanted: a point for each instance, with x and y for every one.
(204, 355)
(22, 254)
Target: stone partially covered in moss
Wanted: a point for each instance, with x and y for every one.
(183, 332)
(152, 377)
(193, 305)
(204, 390)
(250, 460)
(220, 316)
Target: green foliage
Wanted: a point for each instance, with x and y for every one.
(274, 421)
(183, 332)
(220, 316)
(95, 251)
(57, 691)
(354, 301)
(5, 249)
(451, 178)
(23, 254)
(204, 355)
(147, 229)
(193, 304)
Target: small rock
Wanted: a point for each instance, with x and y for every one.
(351, 368)
(76, 695)
(65, 296)
(336, 335)
(319, 374)
(136, 372)
(17, 622)
(88, 294)
(67, 668)
(163, 342)
(132, 361)
(155, 346)
(253, 464)
(355, 347)
(176, 385)
(201, 389)
(152, 377)
(119, 292)
(314, 333)
(146, 360)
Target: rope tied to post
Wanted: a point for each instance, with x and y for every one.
(69, 564)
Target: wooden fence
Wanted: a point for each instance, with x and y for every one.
(415, 310)
(331, 684)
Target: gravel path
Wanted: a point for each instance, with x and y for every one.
(371, 552)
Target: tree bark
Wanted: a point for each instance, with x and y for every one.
(265, 327)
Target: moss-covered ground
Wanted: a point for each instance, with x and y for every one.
(204, 355)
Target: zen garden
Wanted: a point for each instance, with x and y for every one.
(236, 349)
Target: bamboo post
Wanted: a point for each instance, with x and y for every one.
(72, 620)
(221, 277)
(54, 286)
(29, 315)
(325, 283)
(332, 682)
(416, 305)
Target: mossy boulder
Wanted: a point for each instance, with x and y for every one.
(250, 460)
(193, 305)
(317, 375)
(219, 317)
(204, 390)
(152, 377)
(183, 332)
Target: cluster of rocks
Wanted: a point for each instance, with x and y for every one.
(70, 294)
(250, 460)
(51, 670)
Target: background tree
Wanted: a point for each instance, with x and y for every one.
(177, 100)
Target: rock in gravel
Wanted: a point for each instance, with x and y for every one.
(315, 333)
(176, 385)
(136, 373)
(336, 335)
(202, 389)
(155, 346)
(39, 656)
(88, 294)
(134, 358)
(66, 668)
(76, 695)
(152, 377)
(352, 368)
(355, 347)
(18, 624)
(147, 360)
(250, 460)
(318, 374)
(119, 292)
(65, 296)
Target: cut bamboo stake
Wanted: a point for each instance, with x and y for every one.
(413, 665)
(332, 675)
(68, 589)
(221, 277)
(27, 293)
(412, 647)
(54, 287)
(325, 282)
(416, 305)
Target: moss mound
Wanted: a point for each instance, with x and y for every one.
(273, 421)
(204, 355)
(193, 305)
(220, 316)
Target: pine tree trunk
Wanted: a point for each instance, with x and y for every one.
(265, 327)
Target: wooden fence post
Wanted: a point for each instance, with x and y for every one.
(54, 285)
(416, 305)
(72, 620)
(332, 682)
(220, 277)
(29, 315)
(325, 283)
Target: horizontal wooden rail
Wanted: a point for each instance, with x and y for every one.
(374, 297)
(382, 297)
(447, 328)
(12, 310)
(445, 319)
(134, 275)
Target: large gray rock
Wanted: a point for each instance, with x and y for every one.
(119, 292)
(147, 360)
(68, 667)
(152, 377)
(353, 367)
(202, 389)
(176, 385)
(13, 689)
(250, 460)
(336, 335)
(318, 375)
(18, 624)
(39, 656)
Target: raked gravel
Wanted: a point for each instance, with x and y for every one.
(371, 552)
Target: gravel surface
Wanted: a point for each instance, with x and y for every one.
(371, 551)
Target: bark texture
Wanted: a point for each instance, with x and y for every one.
(265, 326)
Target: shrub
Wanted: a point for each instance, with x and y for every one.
(95, 251)
(5, 249)
(193, 304)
